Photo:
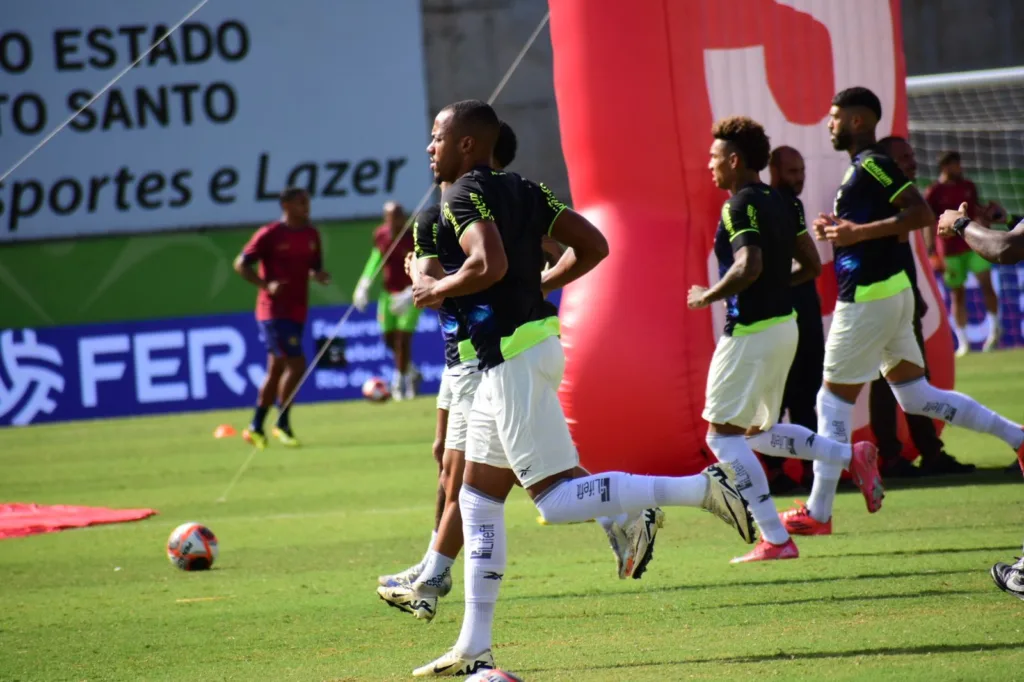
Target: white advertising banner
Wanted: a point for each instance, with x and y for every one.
(247, 97)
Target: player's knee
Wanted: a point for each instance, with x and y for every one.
(552, 504)
(914, 396)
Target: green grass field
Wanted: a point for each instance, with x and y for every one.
(902, 595)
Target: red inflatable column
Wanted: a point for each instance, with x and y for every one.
(638, 85)
(636, 361)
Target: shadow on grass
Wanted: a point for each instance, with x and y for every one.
(998, 551)
(987, 476)
(824, 600)
(731, 585)
(923, 650)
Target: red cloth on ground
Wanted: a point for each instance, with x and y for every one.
(18, 519)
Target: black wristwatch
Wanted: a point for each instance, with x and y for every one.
(960, 225)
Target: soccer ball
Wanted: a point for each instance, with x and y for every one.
(494, 675)
(376, 390)
(192, 547)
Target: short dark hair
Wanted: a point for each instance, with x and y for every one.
(858, 97)
(291, 193)
(506, 146)
(887, 142)
(475, 118)
(776, 155)
(747, 138)
(946, 158)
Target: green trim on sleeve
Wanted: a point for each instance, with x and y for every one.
(900, 191)
(372, 263)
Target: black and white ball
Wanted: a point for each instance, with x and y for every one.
(192, 547)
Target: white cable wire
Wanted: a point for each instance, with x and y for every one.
(62, 126)
(394, 244)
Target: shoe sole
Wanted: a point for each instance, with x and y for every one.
(871, 487)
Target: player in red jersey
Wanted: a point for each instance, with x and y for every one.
(955, 256)
(396, 314)
(289, 254)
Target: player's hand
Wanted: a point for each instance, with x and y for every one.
(423, 295)
(995, 214)
(273, 287)
(361, 297)
(949, 217)
(401, 302)
(322, 277)
(841, 232)
(695, 299)
(410, 258)
(818, 226)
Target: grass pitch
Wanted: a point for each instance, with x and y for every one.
(901, 595)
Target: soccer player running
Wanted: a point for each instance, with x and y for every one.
(882, 405)
(461, 372)
(289, 254)
(489, 245)
(787, 170)
(631, 536)
(1005, 248)
(873, 324)
(396, 314)
(958, 260)
(758, 237)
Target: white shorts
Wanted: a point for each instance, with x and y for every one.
(748, 376)
(462, 383)
(871, 336)
(517, 422)
(444, 391)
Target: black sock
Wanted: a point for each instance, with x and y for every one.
(283, 422)
(257, 418)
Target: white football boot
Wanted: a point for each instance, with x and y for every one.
(724, 501)
(640, 534)
(454, 664)
(404, 578)
(421, 605)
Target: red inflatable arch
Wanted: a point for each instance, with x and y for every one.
(638, 85)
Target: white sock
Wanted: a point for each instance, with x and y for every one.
(430, 547)
(835, 421)
(613, 492)
(993, 322)
(793, 440)
(961, 336)
(436, 567)
(483, 526)
(752, 484)
(920, 397)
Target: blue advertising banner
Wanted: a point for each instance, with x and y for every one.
(57, 374)
(1006, 281)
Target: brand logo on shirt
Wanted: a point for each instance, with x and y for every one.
(485, 213)
(872, 167)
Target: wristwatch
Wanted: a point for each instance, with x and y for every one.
(960, 225)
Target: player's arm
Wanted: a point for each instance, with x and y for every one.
(891, 185)
(745, 241)
(424, 260)
(1005, 248)
(251, 254)
(808, 261)
(361, 296)
(485, 264)
(587, 248)
(316, 267)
